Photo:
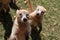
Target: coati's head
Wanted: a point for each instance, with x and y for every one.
(37, 15)
(22, 15)
(39, 11)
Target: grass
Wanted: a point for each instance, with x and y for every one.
(51, 22)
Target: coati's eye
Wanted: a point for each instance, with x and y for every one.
(42, 12)
(20, 14)
(27, 15)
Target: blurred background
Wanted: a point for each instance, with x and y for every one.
(51, 21)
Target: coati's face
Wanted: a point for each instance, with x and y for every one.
(22, 15)
(37, 15)
(40, 10)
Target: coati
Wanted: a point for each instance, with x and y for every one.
(5, 17)
(36, 18)
(21, 27)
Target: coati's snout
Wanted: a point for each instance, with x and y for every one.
(23, 15)
(25, 19)
(40, 13)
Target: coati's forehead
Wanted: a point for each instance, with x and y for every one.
(40, 8)
(23, 11)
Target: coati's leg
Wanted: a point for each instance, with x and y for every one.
(7, 24)
(27, 36)
(35, 33)
(40, 27)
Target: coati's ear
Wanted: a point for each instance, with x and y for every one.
(44, 10)
(17, 11)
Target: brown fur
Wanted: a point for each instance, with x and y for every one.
(30, 6)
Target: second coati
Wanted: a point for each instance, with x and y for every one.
(36, 19)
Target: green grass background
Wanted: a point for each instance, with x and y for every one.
(51, 22)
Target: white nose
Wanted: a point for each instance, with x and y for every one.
(38, 12)
(24, 18)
